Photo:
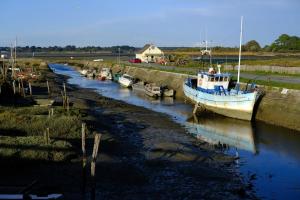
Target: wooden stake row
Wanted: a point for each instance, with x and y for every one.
(93, 161)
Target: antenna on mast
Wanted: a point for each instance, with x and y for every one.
(240, 51)
(16, 50)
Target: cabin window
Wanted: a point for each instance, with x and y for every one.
(225, 78)
(211, 79)
(221, 78)
(201, 75)
(217, 79)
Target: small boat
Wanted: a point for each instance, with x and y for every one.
(83, 72)
(105, 73)
(139, 86)
(116, 76)
(166, 92)
(126, 80)
(152, 90)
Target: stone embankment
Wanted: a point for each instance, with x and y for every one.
(275, 107)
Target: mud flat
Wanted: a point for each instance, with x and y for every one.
(143, 154)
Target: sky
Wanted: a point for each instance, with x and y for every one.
(137, 22)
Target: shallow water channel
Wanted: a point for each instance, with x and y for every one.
(269, 156)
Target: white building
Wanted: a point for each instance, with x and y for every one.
(150, 53)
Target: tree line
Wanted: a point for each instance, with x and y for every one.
(72, 48)
(284, 43)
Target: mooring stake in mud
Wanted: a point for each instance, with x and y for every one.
(83, 137)
(14, 86)
(30, 89)
(47, 136)
(93, 164)
(48, 87)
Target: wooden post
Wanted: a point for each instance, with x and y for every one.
(63, 99)
(48, 88)
(65, 90)
(47, 136)
(19, 87)
(52, 111)
(68, 104)
(93, 165)
(83, 137)
(14, 86)
(30, 89)
(195, 108)
(23, 90)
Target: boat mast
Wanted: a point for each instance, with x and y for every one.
(240, 51)
(12, 60)
(16, 51)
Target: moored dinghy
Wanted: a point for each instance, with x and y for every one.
(139, 86)
(167, 92)
(126, 80)
(152, 90)
(105, 74)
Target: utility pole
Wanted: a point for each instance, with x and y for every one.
(119, 55)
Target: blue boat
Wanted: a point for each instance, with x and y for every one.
(211, 91)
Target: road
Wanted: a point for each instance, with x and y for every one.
(263, 77)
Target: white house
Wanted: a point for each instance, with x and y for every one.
(150, 53)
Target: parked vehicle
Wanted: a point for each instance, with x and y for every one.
(135, 60)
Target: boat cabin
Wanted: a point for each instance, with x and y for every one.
(211, 82)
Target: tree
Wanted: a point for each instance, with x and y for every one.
(286, 43)
(252, 46)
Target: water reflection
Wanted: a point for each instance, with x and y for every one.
(225, 131)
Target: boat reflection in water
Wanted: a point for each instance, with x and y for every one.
(226, 132)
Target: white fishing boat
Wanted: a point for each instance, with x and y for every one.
(152, 90)
(126, 80)
(210, 90)
(105, 74)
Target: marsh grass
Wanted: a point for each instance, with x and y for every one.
(22, 133)
(33, 121)
(34, 148)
